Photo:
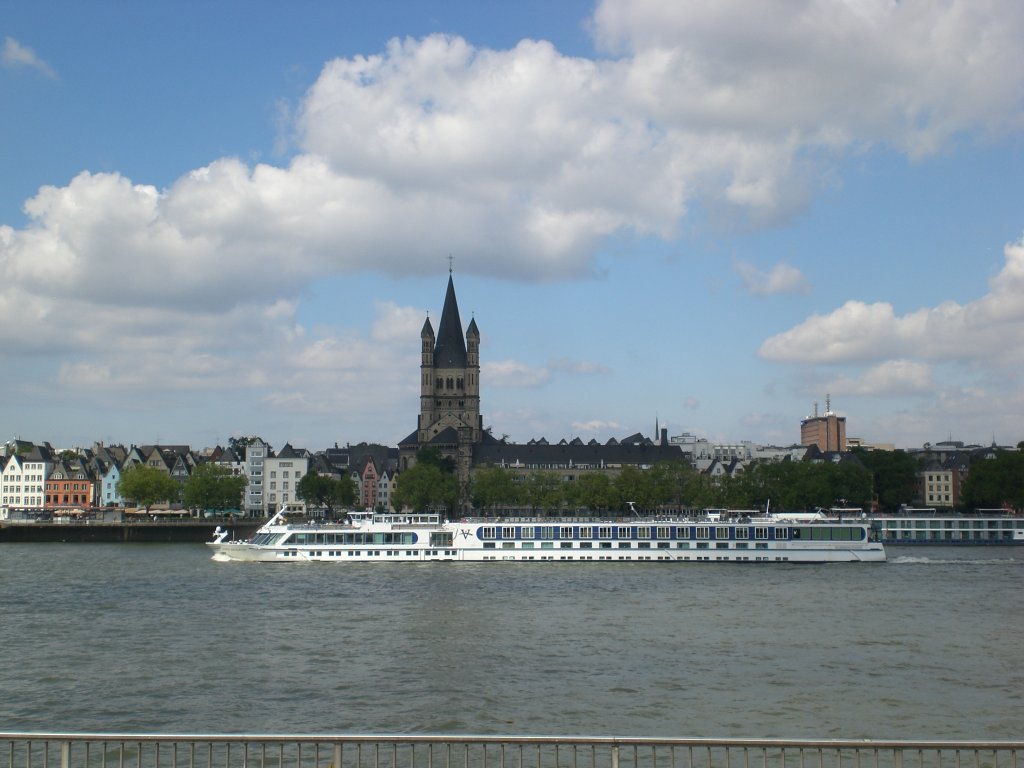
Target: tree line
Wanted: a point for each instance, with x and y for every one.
(887, 479)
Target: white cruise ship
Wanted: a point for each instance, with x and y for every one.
(414, 537)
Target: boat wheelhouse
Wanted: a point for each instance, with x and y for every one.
(427, 537)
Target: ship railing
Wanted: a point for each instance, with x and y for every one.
(98, 750)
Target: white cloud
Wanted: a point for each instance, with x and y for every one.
(595, 426)
(782, 278)
(512, 373)
(578, 367)
(14, 54)
(893, 377)
(830, 72)
(519, 162)
(989, 329)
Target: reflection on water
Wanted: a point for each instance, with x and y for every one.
(160, 638)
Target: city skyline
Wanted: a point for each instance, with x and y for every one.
(711, 217)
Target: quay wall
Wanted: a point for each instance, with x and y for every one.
(185, 531)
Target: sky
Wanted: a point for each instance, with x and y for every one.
(232, 218)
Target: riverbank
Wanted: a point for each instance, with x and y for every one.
(148, 532)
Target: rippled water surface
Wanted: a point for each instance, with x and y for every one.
(161, 638)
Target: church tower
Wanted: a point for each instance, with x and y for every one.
(449, 417)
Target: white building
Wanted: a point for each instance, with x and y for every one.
(23, 480)
(281, 475)
(255, 456)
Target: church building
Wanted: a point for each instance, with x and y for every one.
(449, 419)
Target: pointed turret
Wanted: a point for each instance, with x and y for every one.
(450, 350)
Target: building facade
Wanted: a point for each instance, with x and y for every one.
(827, 432)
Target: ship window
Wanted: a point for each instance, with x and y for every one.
(663, 532)
(683, 532)
(547, 531)
(703, 532)
(762, 533)
(604, 532)
(586, 532)
(623, 532)
(643, 532)
(565, 532)
(527, 545)
(508, 532)
(625, 545)
(527, 532)
(742, 533)
(722, 532)
(488, 532)
(586, 545)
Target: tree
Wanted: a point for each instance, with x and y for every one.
(239, 444)
(595, 491)
(544, 491)
(147, 485)
(493, 487)
(322, 491)
(894, 476)
(993, 483)
(212, 486)
(426, 484)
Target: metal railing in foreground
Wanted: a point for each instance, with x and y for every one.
(97, 750)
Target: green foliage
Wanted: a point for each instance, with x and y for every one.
(147, 485)
(433, 457)
(786, 485)
(596, 492)
(427, 485)
(322, 491)
(212, 486)
(993, 483)
(895, 477)
(494, 487)
(544, 491)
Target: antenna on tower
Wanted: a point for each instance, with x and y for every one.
(828, 404)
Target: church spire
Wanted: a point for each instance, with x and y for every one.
(450, 350)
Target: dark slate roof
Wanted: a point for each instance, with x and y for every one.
(472, 330)
(446, 436)
(428, 329)
(412, 439)
(289, 452)
(542, 454)
(450, 350)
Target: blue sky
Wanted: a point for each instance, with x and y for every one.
(231, 218)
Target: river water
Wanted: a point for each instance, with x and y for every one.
(160, 638)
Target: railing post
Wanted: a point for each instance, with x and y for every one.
(65, 754)
(615, 756)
